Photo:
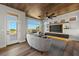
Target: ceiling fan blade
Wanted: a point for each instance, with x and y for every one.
(52, 14)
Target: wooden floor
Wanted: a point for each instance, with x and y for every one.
(23, 49)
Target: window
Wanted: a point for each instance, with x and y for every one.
(33, 25)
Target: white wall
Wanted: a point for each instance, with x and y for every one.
(4, 10)
(46, 24)
(74, 25)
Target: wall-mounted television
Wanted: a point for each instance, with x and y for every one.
(56, 28)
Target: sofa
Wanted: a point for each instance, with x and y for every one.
(37, 42)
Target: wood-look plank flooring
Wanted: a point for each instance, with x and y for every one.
(20, 49)
(23, 49)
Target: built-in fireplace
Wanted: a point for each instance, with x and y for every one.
(56, 28)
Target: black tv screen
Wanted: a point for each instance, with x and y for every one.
(56, 28)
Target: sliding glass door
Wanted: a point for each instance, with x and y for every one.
(11, 29)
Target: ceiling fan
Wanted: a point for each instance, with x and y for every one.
(46, 16)
(50, 16)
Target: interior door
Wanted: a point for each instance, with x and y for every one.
(11, 29)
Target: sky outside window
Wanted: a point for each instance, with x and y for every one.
(11, 21)
(32, 24)
(12, 25)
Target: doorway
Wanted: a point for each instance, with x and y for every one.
(11, 27)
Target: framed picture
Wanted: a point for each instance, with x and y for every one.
(72, 18)
(64, 21)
